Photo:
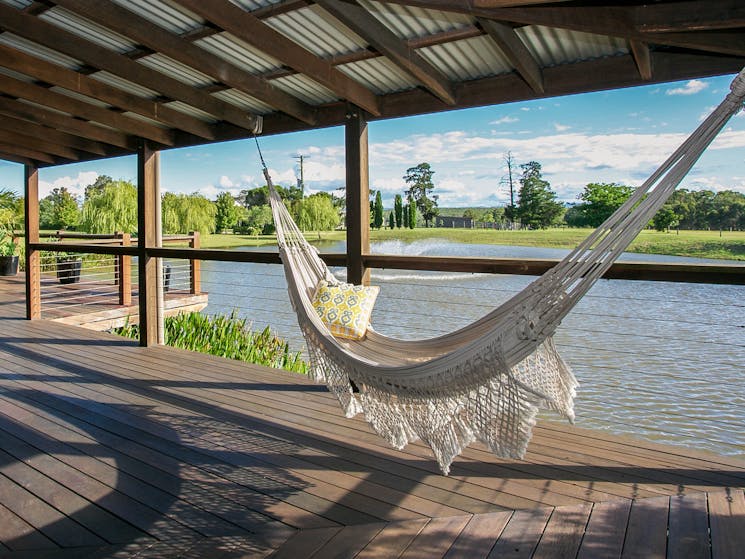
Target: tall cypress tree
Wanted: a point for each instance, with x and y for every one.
(412, 214)
(378, 211)
(398, 209)
(391, 221)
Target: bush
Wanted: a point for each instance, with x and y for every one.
(225, 336)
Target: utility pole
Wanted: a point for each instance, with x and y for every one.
(301, 180)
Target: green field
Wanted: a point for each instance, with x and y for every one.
(728, 245)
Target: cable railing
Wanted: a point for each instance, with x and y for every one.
(658, 360)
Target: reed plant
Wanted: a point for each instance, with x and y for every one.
(226, 336)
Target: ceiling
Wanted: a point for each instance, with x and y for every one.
(86, 79)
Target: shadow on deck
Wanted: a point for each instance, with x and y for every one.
(112, 450)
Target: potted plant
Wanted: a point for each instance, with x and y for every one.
(8, 253)
(69, 265)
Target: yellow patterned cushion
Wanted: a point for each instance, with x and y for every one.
(345, 308)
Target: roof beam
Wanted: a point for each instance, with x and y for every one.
(66, 123)
(252, 30)
(389, 45)
(690, 16)
(20, 151)
(64, 103)
(39, 144)
(11, 124)
(17, 159)
(642, 58)
(80, 83)
(160, 40)
(102, 58)
(618, 21)
(516, 52)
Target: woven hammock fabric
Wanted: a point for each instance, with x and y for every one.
(486, 381)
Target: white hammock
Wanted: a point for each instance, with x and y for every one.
(486, 381)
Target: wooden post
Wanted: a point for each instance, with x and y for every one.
(33, 258)
(195, 265)
(124, 271)
(358, 198)
(147, 192)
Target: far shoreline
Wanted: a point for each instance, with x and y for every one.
(724, 245)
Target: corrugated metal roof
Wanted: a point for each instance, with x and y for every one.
(149, 121)
(189, 110)
(317, 31)
(20, 4)
(174, 69)
(409, 22)
(39, 51)
(379, 74)
(552, 46)
(87, 29)
(239, 53)
(244, 101)
(468, 59)
(305, 89)
(168, 15)
(80, 97)
(126, 85)
(16, 75)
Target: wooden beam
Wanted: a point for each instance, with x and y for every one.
(39, 144)
(102, 58)
(642, 58)
(66, 123)
(148, 164)
(20, 151)
(690, 16)
(20, 126)
(160, 40)
(33, 257)
(248, 28)
(76, 107)
(16, 158)
(389, 45)
(358, 198)
(516, 52)
(96, 89)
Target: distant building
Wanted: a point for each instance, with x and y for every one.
(454, 222)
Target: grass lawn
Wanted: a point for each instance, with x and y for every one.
(703, 244)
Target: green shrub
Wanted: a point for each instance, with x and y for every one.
(226, 336)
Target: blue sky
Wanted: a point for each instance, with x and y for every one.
(616, 136)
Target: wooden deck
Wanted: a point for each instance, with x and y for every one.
(111, 450)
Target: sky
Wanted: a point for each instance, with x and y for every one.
(615, 136)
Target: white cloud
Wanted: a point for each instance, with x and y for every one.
(505, 120)
(225, 182)
(690, 88)
(561, 127)
(76, 185)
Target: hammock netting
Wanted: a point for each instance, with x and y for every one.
(488, 380)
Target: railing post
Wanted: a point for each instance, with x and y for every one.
(124, 271)
(148, 191)
(195, 266)
(33, 257)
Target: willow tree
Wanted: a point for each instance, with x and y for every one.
(110, 208)
(183, 213)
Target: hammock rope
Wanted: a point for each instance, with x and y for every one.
(488, 380)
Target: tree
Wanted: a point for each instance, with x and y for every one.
(412, 215)
(378, 211)
(97, 187)
(61, 210)
(419, 179)
(317, 213)
(258, 221)
(398, 210)
(111, 208)
(391, 221)
(508, 180)
(11, 209)
(537, 206)
(226, 211)
(183, 213)
(600, 200)
(405, 211)
(664, 219)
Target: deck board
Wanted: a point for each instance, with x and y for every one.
(112, 450)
